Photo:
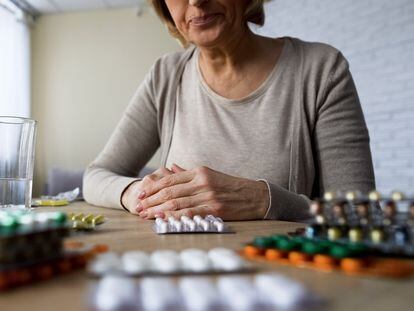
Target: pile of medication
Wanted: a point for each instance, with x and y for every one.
(82, 222)
(350, 258)
(168, 262)
(32, 248)
(385, 225)
(262, 292)
(209, 224)
(27, 237)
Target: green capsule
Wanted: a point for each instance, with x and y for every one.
(313, 248)
(263, 242)
(341, 251)
(8, 223)
(60, 218)
(287, 245)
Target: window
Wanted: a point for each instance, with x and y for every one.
(14, 61)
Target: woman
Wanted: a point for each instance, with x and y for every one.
(249, 127)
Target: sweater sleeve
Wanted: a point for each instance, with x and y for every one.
(133, 142)
(340, 142)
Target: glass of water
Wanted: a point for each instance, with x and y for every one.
(17, 147)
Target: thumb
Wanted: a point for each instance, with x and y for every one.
(177, 169)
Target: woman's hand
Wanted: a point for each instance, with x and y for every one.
(203, 191)
(134, 192)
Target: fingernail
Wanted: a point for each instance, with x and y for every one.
(143, 214)
(141, 195)
(139, 207)
(160, 215)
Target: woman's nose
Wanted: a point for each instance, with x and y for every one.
(197, 2)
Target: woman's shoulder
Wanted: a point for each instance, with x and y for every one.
(315, 50)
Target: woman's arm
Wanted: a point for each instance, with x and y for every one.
(131, 145)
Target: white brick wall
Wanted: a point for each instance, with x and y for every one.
(377, 38)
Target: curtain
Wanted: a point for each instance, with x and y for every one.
(14, 61)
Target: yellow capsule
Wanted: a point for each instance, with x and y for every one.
(377, 236)
(374, 196)
(355, 235)
(334, 234)
(397, 196)
(329, 196)
(97, 220)
(77, 217)
(79, 225)
(88, 218)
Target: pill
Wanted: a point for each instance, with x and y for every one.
(105, 263)
(263, 242)
(165, 261)
(377, 236)
(115, 292)
(178, 226)
(251, 251)
(225, 259)
(197, 219)
(355, 235)
(88, 218)
(218, 225)
(274, 254)
(210, 218)
(290, 294)
(98, 219)
(135, 262)
(239, 293)
(191, 225)
(185, 219)
(334, 234)
(171, 220)
(352, 265)
(298, 257)
(159, 221)
(195, 260)
(200, 294)
(159, 294)
(205, 225)
(163, 228)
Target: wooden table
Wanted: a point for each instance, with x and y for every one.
(123, 232)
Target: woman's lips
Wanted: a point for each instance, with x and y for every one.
(203, 20)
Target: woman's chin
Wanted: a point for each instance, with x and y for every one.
(208, 38)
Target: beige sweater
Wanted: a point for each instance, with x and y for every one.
(302, 131)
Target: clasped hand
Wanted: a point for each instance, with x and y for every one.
(200, 191)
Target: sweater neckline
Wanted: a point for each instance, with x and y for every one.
(276, 71)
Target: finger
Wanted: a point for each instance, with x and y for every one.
(150, 179)
(167, 181)
(177, 169)
(176, 204)
(167, 194)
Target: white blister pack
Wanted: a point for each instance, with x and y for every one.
(197, 224)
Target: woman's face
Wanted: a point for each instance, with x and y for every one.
(208, 22)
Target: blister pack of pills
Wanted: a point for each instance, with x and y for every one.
(168, 262)
(262, 292)
(197, 224)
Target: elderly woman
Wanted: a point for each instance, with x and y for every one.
(249, 127)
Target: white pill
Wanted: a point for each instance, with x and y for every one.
(195, 260)
(171, 220)
(290, 294)
(197, 219)
(163, 228)
(159, 294)
(199, 294)
(226, 259)
(239, 293)
(191, 225)
(184, 219)
(159, 221)
(165, 261)
(135, 262)
(178, 226)
(115, 292)
(210, 218)
(218, 225)
(105, 263)
(205, 225)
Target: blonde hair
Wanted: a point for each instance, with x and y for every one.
(254, 14)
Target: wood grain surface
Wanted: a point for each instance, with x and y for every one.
(123, 232)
